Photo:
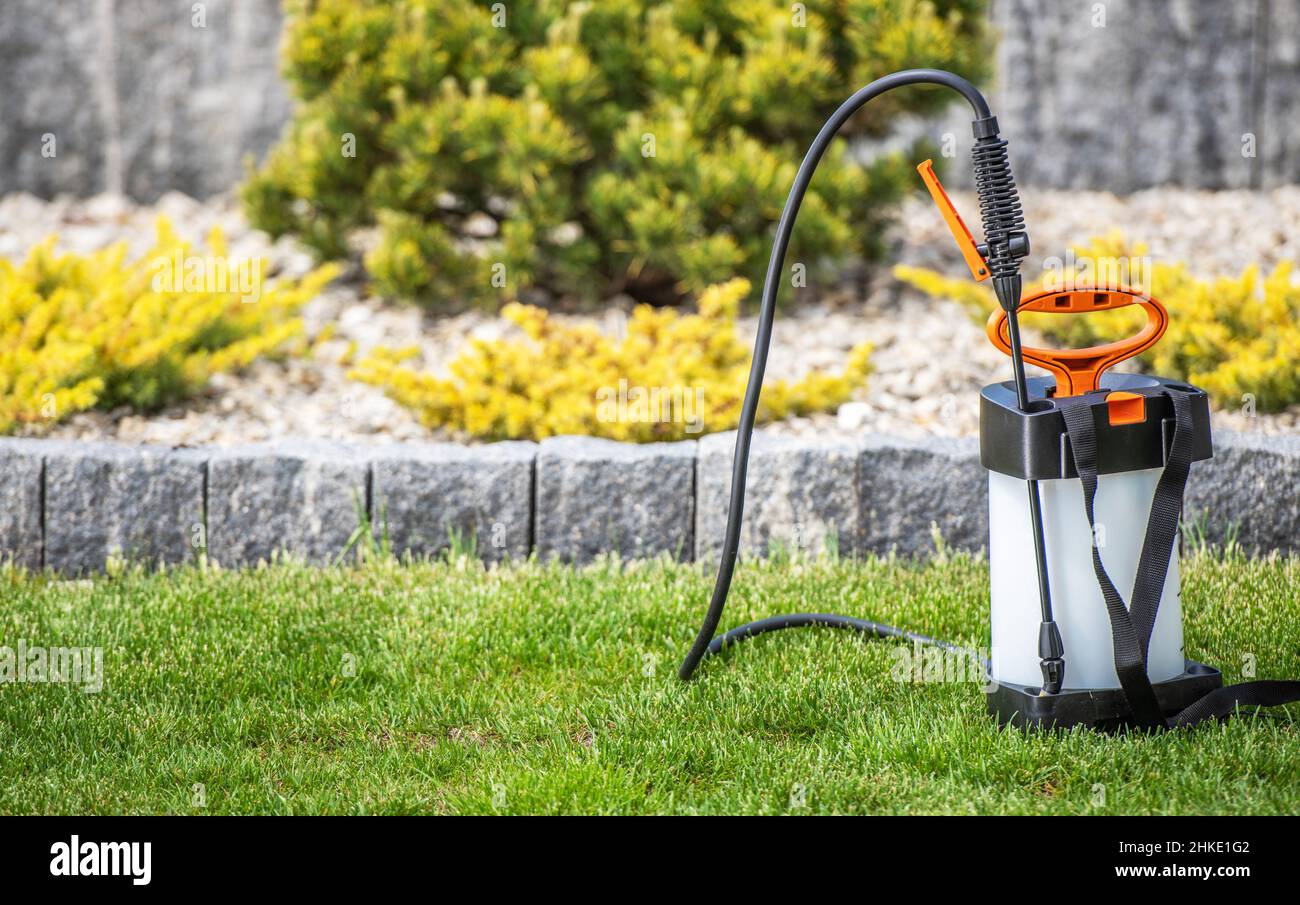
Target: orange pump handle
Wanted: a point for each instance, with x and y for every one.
(979, 268)
(1078, 371)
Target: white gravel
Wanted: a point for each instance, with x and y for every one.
(930, 358)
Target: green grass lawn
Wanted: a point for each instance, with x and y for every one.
(444, 688)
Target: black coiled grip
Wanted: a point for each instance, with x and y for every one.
(1004, 221)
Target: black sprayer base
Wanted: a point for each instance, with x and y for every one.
(1097, 708)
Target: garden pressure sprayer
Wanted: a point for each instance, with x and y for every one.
(1086, 468)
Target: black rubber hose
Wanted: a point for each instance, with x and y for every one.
(828, 620)
(704, 641)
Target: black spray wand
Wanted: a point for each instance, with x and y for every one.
(1005, 244)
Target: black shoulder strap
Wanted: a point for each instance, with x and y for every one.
(1162, 523)
(1224, 701)
(1131, 626)
(1129, 648)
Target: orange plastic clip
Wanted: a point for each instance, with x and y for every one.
(1125, 408)
(965, 242)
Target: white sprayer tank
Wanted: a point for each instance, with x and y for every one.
(1122, 504)
(1016, 446)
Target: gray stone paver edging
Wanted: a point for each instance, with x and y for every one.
(801, 495)
(22, 478)
(301, 497)
(72, 507)
(601, 496)
(1250, 490)
(106, 500)
(910, 488)
(426, 494)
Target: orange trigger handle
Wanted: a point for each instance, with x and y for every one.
(979, 269)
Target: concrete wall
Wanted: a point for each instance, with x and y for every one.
(1127, 94)
(1117, 95)
(71, 507)
(139, 96)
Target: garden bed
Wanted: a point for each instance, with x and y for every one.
(912, 392)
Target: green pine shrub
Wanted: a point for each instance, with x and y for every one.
(591, 147)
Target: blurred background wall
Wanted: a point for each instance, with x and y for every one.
(145, 96)
(139, 96)
(1161, 93)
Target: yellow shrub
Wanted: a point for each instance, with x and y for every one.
(672, 376)
(78, 331)
(1231, 336)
